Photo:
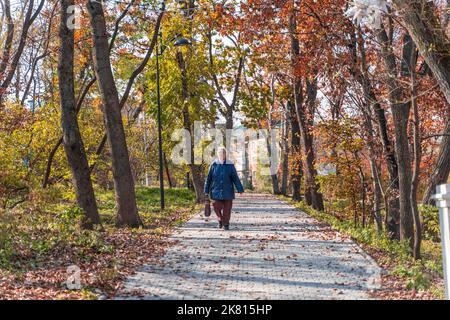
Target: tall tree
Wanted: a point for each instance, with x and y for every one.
(361, 74)
(295, 152)
(305, 117)
(285, 150)
(196, 169)
(271, 139)
(73, 143)
(127, 212)
(400, 113)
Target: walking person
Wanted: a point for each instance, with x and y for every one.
(219, 186)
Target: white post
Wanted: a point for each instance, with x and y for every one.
(442, 198)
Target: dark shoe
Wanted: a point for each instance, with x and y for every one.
(220, 225)
(227, 227)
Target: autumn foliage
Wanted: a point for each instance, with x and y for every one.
(352, 102)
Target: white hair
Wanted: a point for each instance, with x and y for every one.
(221, 149)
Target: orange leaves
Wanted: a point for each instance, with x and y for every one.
(13, 117)
(97, 104)
(295, 161)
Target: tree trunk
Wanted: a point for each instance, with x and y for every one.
(274, 177)
(169, 177)
(50, 157)
(400, 114)
(392, 202)
(375, 171)
(270, 142)
(297, 169)
(295, 123)
(8, 40)
(377, 195)
(73, 144)
(416, 172)
(127, 213)
(312, 196)
(305, 121)
(362, 178)
(306, 124)
(409, 62)
(298, 101)
(198, 181)
(285, 153)
(196, 170)
(229, 118)
(188, 181)
(393, 209)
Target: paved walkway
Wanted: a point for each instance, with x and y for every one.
(272, 251)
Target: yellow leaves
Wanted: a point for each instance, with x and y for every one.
(214, 15)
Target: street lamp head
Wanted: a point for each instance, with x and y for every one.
(181, 42)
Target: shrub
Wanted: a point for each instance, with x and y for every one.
(7, 231)
(416, 277)
(430, 222)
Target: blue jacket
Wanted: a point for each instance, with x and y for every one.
(221, 180)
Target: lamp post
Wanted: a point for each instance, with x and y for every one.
(178, 42)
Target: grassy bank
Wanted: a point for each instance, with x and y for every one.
(405, 278)
(40, 240)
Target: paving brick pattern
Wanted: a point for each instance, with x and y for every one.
(272, 251)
